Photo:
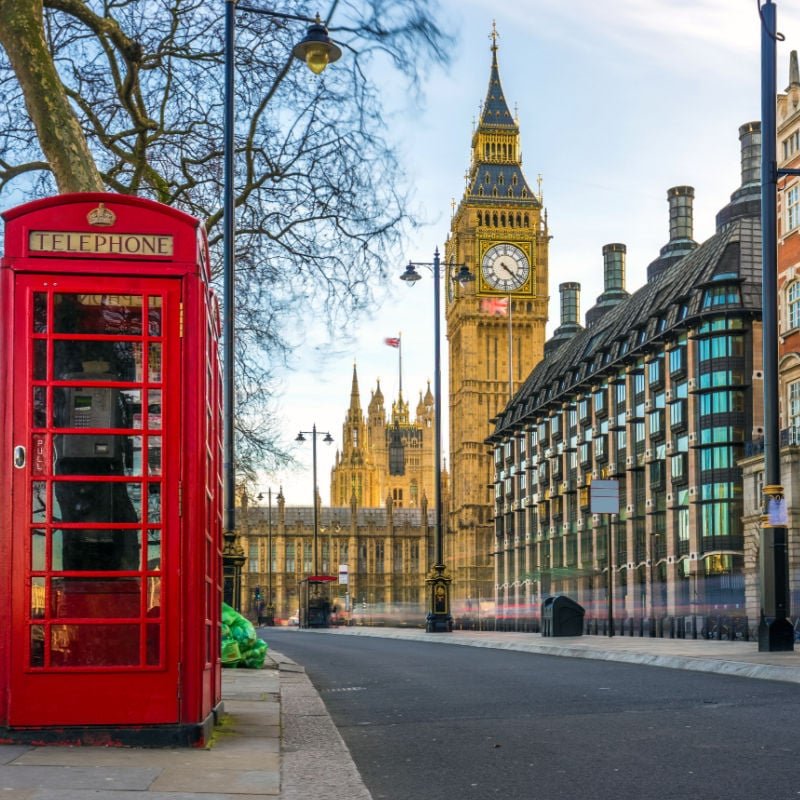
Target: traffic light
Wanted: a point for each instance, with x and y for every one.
(258, 592)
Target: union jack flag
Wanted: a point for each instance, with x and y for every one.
(497, 306)
(392, 341)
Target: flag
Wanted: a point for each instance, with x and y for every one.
(392, 341)
(495, 305)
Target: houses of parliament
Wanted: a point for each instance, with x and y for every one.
(380, 525)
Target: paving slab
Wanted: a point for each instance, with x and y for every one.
(58, 794)
(116, 778)
(8, 752)
(229, 781)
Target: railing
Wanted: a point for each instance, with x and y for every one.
(789, 437)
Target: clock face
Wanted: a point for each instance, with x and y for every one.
(505, 267)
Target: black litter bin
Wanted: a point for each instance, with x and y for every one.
(562, 616)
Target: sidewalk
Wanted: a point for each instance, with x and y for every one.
(727, 658)
(278, 741)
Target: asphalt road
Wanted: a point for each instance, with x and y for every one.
(426, 722)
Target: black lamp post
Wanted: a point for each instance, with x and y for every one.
(269, 617)
(439, 619)
(301, 437)
(317, 51)
(775, 631)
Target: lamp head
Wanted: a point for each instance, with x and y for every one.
(300, 437)
(410, 275)
(317, 49)
(464, 276)
(328, 439)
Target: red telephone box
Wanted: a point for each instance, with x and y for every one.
(110, 523)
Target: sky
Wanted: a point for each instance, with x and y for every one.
(618, 101)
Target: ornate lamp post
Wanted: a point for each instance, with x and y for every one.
(439, 619)
(269, 617)
(317, 51)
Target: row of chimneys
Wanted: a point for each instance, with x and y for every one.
(744, 201)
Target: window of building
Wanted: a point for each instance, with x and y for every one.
(290, 557)
(792, 207)
(678, 470)
(794, 410)
(717, 519)
(379, 556)
(721, 296)
(252, 558)
(716, 458)
(791, 144)
(793, 304)
(677, 360)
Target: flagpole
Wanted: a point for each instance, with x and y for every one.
(400, 359)
(510, 355)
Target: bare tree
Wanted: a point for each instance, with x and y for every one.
(127, 95)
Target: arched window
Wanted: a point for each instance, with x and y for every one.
(793, 304)
(494, 192)
(514, 179)
(511, 219)
(480, 218)
(494, 219)
(480, 191)
(510, 192)
(519, 220)
(503, 220)
(500, 179)
(527, 221)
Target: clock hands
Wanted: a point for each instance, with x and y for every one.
(504, 266)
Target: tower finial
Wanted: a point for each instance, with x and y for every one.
(494, 36)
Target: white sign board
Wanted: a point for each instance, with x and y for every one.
(604, 497)
(343, 574)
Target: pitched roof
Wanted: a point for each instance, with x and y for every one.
(656, 312)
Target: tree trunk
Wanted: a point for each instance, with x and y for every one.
(60, 136)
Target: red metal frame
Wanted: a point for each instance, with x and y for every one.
(114, 653)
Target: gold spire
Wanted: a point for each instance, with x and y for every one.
(494, 36)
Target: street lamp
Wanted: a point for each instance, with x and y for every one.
(314, 578)
(439, 619)
(301, 437)
(775, 631)
(270, 615)
(317, 51)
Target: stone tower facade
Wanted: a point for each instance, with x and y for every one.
(495, 327)
(384, 457)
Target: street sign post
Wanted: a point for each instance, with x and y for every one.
(604, 499)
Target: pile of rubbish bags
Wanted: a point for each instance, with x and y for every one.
(240, 645)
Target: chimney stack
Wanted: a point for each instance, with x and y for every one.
(613, 282)
(570, 303)
(614, 266)
(681, 225)
(746, 200)
(570, 315)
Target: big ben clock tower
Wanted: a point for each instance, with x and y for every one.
(495, 326)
